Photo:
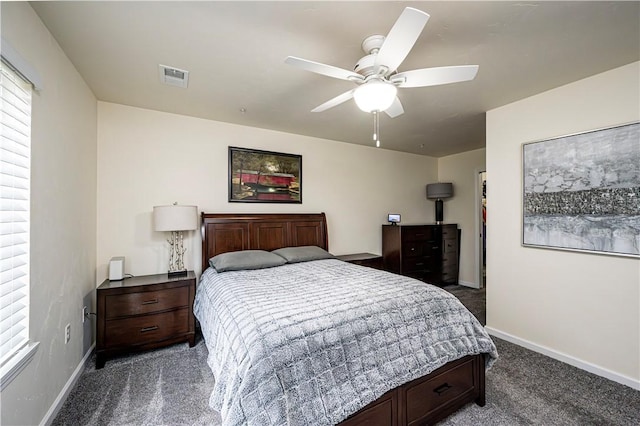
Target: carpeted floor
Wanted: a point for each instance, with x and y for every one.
(171, 386)
(474, 299)
(168, 386)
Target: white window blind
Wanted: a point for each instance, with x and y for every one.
(15, 150)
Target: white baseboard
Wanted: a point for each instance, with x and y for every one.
(468, 284)
(568, 359)
(64, 393)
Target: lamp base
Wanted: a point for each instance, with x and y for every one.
(176, 274)
(439, 212)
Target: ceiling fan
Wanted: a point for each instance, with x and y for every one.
(376, 73)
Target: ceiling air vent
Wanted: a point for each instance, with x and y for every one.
(173, 76)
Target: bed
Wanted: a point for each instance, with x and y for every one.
(294, 343)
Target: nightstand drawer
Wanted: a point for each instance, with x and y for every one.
(146, 328)
(120, 305)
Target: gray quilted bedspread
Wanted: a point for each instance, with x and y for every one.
(312, 343)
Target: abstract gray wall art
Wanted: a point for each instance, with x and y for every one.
(582, 192)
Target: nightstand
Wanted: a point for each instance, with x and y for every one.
(363, 259)
(144, 312)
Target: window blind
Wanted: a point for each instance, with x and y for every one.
(15, 150)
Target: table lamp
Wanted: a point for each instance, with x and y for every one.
(439, 191)
(175, 219)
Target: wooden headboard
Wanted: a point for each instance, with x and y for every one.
(224, 232)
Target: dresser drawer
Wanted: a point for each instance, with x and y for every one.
(450, 232)
(146, 328)
(413, 249)
(450, 259)
(449, 274)
(120, 305)
(419, 248)
(450, 246)
(418, 233)
(438, 391)
(424, 263)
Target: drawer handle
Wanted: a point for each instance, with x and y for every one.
(440, 390)
(150, 302)
(419, 235)
(419, 264)
(144, 330)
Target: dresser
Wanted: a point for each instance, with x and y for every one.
(426, 252)
(144, 312)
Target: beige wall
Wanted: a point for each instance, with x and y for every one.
(463, 208)
(583, 308)
(148, 158)
(63, 218)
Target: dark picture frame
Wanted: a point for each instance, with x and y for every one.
(581, 192)
(257, 176)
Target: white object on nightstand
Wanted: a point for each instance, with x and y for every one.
(116, 268)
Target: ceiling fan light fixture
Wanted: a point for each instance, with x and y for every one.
(375, 95)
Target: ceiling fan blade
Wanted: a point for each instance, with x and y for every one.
(395, 109)
(435, 76)
(400, 40)
(335, 101)
(323, 69)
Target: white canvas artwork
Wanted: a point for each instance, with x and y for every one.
(582, 192)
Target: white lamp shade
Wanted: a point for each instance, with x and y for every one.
(175, 218)
(439, 190)
(375, 96)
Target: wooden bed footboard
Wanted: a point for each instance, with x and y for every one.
(429, 399)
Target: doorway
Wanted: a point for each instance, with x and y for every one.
(481, 191)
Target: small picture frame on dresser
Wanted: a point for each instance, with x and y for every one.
(393, 218)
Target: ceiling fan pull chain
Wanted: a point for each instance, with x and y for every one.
(375, 125)
(376, 131)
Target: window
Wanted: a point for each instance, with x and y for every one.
(15, 154)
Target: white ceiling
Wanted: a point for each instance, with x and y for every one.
(235, 53)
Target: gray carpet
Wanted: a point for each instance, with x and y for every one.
(474, 299)
(171, 386)
(168, 386)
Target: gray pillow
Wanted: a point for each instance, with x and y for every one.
(246, 259)
(303, 254)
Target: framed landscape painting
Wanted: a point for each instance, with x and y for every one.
(264, 177)
(582, 192)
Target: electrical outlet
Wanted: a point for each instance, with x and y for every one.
(67, 334)
(85, 313)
